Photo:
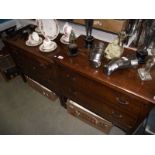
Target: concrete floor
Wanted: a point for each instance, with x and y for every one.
(25, 111)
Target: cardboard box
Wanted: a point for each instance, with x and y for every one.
(111, 25)
(41, 89)
(88, 117)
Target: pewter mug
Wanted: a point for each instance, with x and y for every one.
(96, 55)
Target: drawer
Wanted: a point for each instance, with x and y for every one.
(31, 67)
(41, 89)
(40, 71)
(117, 117)
(121, 109)
(36, 68)
(25, 56)
(88, 116)
(101, 93)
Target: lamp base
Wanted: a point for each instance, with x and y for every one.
(72, 50)
(89, 42)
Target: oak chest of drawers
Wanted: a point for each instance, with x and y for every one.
(121, 98)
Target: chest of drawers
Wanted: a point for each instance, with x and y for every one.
(121, 98)
(38, 69)
(123, 110)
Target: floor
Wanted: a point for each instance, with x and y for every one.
(25, 111)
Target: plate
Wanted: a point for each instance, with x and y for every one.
(49, 28)
(63, 40)
(42, 49)
(28, 43)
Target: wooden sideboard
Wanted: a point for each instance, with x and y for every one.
(121, 98)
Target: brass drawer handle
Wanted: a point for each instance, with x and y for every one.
(122, 101)
(117, 115)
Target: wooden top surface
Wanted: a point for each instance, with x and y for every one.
(126, 81)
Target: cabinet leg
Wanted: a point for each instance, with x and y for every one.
(21, 74)
(23, 77)
(63, 101)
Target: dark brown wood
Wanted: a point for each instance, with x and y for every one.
(121, 98)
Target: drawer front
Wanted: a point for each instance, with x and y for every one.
(43, 90)
(37, 69)
(117, 117)
(101, 92)
(88, 117)
(116, 107)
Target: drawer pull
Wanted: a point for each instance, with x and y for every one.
(122, 101)
(117, 115)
